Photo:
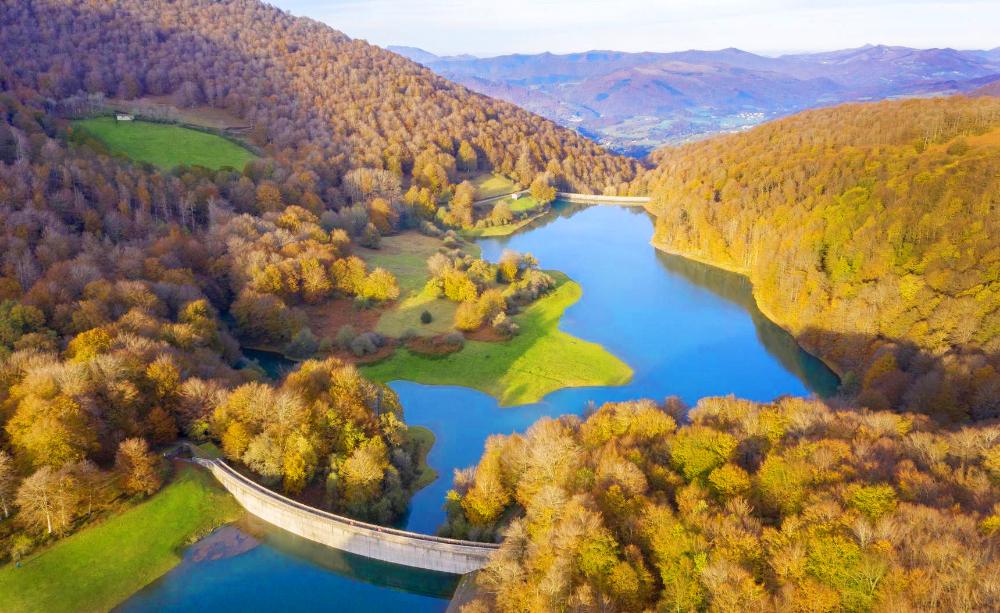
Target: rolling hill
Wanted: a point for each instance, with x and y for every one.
(310, 91)
(633, 102)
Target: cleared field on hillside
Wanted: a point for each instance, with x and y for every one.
(405, 256)
(165, 145)
(490, 185)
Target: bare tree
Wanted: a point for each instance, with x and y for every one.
(8, 482)
(49, 500)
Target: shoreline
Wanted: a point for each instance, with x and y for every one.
(835, 368)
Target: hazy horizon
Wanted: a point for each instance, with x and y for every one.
(769, 27)
(777, 53)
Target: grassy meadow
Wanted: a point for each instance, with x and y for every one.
(165, 145)
(539, 360)
(405, 255)
(490, 185)
(102, 565)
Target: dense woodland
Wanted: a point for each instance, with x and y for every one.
(871, 232)
(113, 280)
(318, 101)
(789, 506)
(122, 286)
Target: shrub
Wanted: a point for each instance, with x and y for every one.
(380, 285)
(370, 237)
(458, 287)
(491, 303)
(367, 343)
(505, 325)
(454, 338)
(345, 335)
(426, 317)
(429, 229)
(303, 344)
(468, 317)
(21, 545)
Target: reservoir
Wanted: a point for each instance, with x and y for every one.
(685, 329)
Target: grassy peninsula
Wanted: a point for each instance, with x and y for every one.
(539, 360)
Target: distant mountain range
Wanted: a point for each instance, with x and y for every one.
(634, 102)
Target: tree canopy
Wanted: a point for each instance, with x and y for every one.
(870, 231)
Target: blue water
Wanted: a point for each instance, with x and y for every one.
(288, 573)
(685, 329)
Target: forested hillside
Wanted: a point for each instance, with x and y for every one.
(122, 284)
(871, 232)
(750, 507)
(314, 96)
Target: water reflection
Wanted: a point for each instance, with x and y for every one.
(274, 364)
(737, 289)
(686, 329)
(289, 573)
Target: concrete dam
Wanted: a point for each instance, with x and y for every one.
(360, 538)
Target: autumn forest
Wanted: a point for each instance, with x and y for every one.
(130, 292)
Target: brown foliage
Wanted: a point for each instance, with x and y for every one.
(774, 507)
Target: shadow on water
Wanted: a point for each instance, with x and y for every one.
(274, 364)
(405, 578)
(737, 289)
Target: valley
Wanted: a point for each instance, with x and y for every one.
(471, 314)
(634, 103)
(716, 343)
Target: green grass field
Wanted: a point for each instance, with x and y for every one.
(165, 145)
(101, 566)
(522, 204)
(405, 255)
(539, 360)
(405, 315)
(489, 185)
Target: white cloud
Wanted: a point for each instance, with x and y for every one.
(526, 26)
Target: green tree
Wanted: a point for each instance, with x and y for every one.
(873, 501)
(697, 451)
(16, 320)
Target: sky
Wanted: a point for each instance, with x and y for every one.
(486, 28)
